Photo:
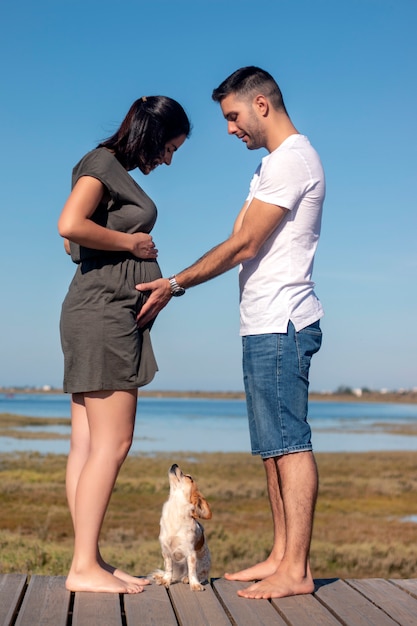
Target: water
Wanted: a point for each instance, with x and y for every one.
(211, 425)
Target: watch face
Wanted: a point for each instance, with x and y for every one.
(179, 292)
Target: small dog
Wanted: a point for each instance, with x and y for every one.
(185, 551)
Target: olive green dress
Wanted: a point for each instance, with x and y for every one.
(102, 345)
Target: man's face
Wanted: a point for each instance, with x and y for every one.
(243, 121)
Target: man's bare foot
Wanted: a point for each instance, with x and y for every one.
(99, 580)
(127, 578)
(256, 572)
(279, 585)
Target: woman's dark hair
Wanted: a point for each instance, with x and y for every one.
(150, 122)
(248, 82)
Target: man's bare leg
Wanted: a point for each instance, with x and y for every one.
(299, 484)
(106, 420)
(269, 566)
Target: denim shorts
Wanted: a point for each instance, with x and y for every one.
(275, 371)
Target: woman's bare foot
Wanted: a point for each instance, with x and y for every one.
(256, 572)
(99, 580)
(279, 585)
(127, 578)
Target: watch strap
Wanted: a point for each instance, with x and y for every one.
(176, 290)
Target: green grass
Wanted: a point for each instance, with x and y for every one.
(19, 426)
(358, 530)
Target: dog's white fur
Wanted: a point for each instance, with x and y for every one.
(185, 551)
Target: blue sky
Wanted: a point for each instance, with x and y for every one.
(71, 69)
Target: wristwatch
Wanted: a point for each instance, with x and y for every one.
(176, 290)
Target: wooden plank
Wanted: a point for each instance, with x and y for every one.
(410, 586)
(46, 602)
(304, 610)
(350, 606)
(96, 609)
(243, 611)
(194, 608)
(394, 601)
(12, 588)
(152, 607)
(352, 602)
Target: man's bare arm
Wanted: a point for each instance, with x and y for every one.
(252, 228)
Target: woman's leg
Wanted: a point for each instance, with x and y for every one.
(79, 452)
(79, 449)
(110, 417)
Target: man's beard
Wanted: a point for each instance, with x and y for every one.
(255, 135)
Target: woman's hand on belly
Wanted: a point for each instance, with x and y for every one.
(143, 246)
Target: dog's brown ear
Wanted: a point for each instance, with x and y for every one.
(201, 507)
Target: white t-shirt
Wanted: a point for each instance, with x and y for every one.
(276, 285)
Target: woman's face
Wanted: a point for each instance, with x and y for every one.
(171, 146)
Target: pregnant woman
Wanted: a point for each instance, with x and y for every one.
(106, 224)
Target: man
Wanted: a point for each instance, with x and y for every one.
(274, 240)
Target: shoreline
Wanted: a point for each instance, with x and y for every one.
(395, 397)
(392, 397)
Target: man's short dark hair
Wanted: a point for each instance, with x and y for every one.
(248, 82)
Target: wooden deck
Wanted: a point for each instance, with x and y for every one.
(44, 601)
